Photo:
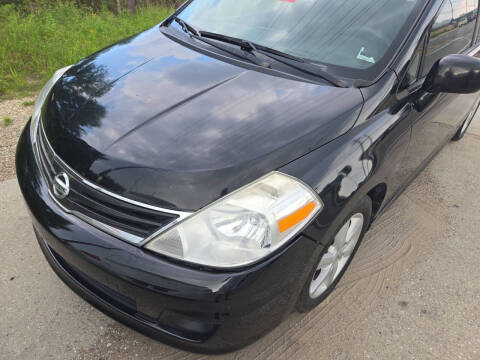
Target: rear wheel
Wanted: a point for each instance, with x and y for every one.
(334, 260)
(463, 130)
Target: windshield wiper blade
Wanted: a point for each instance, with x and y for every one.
(248, 45)
(186, 27)
(293, 61)
(302, 65)
(244, 54)
(269, 51)
(244, 44)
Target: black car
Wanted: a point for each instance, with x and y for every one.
(203, 179)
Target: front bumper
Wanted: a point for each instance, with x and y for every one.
(197, 309)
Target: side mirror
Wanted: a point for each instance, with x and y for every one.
(457, 74)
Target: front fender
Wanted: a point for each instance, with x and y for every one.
(348, 168)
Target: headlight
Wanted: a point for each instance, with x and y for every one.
(244, 226)
(37, 110)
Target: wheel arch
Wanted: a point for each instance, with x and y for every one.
(377, 194)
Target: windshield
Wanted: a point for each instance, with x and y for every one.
(351, 34)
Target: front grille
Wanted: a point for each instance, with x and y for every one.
(125, 220)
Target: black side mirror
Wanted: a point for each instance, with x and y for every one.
(457, 74)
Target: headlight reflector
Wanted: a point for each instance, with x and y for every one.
(42, 96)
(244, 226)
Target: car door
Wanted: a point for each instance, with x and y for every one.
(436, 117)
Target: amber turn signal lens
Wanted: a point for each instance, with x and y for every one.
(298, 216)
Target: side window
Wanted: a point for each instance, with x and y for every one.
(474, 18)
(452, 32)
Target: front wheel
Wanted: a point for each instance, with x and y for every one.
(334, 261)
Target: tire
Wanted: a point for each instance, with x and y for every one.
(311, 296)
(463, 129)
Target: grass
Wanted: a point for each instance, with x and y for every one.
(6, 121)
(35, 44)
(28, 103)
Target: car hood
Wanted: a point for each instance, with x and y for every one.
(159, 122)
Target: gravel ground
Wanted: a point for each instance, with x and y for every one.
(19, 114)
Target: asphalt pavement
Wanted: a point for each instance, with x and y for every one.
(412, 292)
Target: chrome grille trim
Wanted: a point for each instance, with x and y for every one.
(120, 234)
(98, 188)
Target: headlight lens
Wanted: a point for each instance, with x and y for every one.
(244, 226)
(37, 110)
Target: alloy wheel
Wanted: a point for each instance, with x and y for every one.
(334, 260)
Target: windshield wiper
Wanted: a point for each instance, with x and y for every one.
(269, 51)
(302, 65)
(199, 35)
(293, 61)
(186, 27)
(244, 44)
(246, 47)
